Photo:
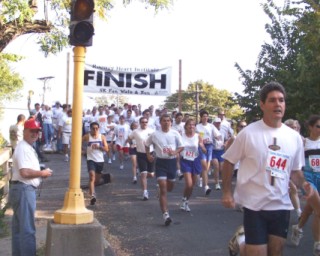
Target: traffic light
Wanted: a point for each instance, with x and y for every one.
(81, 23)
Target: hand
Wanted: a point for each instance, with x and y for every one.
(308, 189)
(150, 158)
(46, 173)
(228, 201)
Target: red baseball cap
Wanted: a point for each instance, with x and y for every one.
(32, 124)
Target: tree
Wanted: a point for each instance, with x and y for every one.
(10, 81)
(210, 99)
(20, 17)
(291, 58)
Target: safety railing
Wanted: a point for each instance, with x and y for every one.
(5, 175)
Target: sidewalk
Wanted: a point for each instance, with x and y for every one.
(135, 227)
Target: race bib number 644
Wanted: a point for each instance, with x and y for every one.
(277, 164)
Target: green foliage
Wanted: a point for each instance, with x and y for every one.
(3, 142)
(291, 58)
(10, 81)
(53, 42)
(210, 99)
(15, 10)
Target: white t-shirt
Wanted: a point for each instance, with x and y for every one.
(47, 116)
(66, 124)
(25, 156)
(191, 145)
(257, 161)
(225, 128)
(140, 136)
(122, 133)
(110, 131)
(207, 132)
(16, 134)
(163, 142)
(178, 127)
(102, 121)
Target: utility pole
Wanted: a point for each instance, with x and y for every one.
(197, 92)
(180, 85)
(45, 79)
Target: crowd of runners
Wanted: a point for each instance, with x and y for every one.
(266, 157)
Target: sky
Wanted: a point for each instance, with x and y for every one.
(208, 36)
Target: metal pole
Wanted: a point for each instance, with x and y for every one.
(44, 79)
(74, 210)
(180, 85)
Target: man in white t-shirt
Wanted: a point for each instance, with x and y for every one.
(178, 125)
(167, 145)
(16, 131)
(146, 168)
(270, 153)
(65, 129)
(26, 177)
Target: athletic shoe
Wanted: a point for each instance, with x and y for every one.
(121, 166)
(185, 205)
(200, 182)
(233, 245)
(207, 190)
(181, 176)
(109, 161)
(218, 186)
(296, 235)
(107, 178)
(167, 219)
(93, 200)
(134, 181)
(66, 158)
(114, 157)
(145, 195)
(316, 249)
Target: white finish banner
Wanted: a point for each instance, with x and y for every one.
(136, 81)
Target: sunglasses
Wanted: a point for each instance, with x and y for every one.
(242, 126)
(143, 122)
(95, 128)
(318, 126)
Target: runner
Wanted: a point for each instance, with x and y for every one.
(167, 144)
(269, 153)
(146, 168)
(190, 161)
(96, 145)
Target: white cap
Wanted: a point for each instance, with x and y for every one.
(217, 120)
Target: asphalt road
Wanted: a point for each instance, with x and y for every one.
(136, 227)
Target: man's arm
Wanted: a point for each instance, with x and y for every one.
(105, 146)
(297, 178)
(27, 173)
(227, 174)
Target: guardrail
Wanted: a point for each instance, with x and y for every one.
(5, 166)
